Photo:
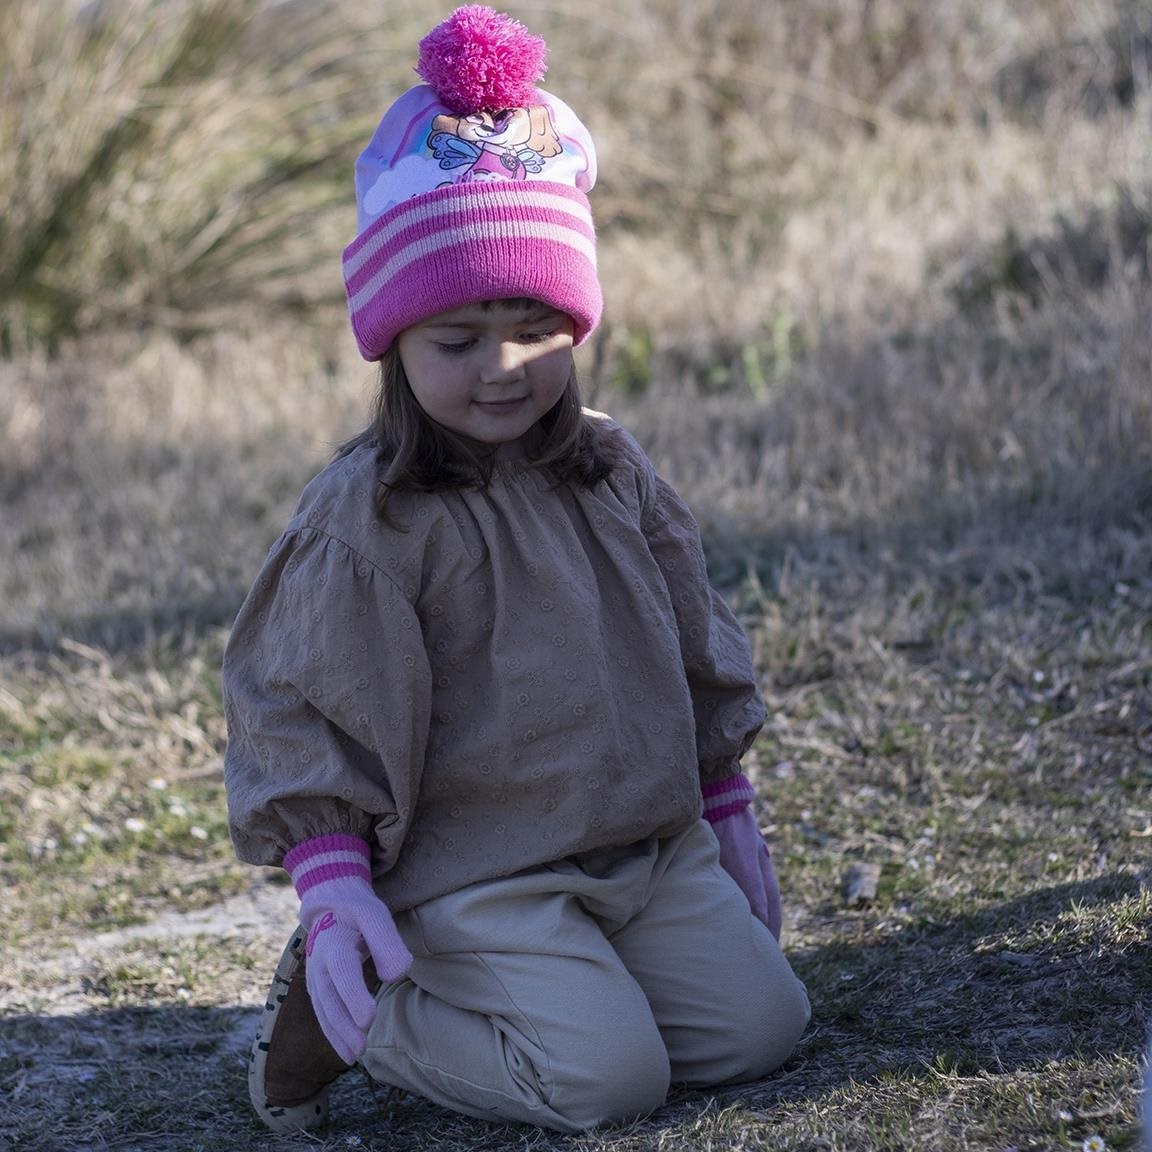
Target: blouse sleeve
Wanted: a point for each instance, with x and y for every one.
(327, 699)
(728, 707)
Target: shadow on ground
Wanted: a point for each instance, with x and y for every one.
(961, 997)
(919, 1005)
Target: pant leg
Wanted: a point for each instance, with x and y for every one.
(518, 1008)
(725, 999)
(569, 996)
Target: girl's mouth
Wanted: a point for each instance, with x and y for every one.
(498, 406)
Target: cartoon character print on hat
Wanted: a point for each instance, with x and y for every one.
(506, 145)
(421, 145)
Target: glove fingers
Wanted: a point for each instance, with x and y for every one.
(357, 1002)
(773, 908)
(389, 952)
(343, 1004)
(393, 962)
(343, 1034)
(342, 954)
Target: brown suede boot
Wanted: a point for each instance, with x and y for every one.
(292, 1061)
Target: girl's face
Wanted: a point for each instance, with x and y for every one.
(489, 371)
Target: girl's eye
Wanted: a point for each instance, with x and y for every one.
(537, 337)
(455, 347)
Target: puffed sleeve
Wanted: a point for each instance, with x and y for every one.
(327, 696)
(728, 707)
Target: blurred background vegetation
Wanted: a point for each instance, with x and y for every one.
(877, 275)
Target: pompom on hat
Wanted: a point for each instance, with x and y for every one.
(474, 187)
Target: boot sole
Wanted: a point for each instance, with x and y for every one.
(305, 1114)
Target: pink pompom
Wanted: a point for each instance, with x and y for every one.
(480, 60)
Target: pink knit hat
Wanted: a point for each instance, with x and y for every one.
(473, 188)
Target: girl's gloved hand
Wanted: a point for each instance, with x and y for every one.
(346, 923)
(744, 855)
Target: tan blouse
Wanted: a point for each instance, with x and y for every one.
(506, 677)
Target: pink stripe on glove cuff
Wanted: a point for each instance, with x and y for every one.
(727, 797)
(324, 858)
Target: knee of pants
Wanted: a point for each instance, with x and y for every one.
(775, 1024)
(629, 1079)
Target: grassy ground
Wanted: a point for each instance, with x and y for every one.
(991, 756)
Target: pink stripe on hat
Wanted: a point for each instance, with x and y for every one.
(453, 209)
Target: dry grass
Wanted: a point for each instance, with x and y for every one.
(879, 304)
(764, 167)
(1010, 450)
(142, 483)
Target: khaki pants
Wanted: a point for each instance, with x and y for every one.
(574, 994)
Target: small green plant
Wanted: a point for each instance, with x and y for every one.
(632, 363)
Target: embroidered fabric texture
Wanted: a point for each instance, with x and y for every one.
(527, 672)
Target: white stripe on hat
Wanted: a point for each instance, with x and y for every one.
(476, 232)
(410, 214)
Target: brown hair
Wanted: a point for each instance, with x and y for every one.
(419, 455)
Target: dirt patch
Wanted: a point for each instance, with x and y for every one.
(260, 918)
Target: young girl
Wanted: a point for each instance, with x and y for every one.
(483, 705)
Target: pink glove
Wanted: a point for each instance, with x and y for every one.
(346, 923)
(743, 853)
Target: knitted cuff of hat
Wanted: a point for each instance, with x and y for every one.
(325, 858)
(727, 797)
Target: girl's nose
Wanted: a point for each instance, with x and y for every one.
(506, 362)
